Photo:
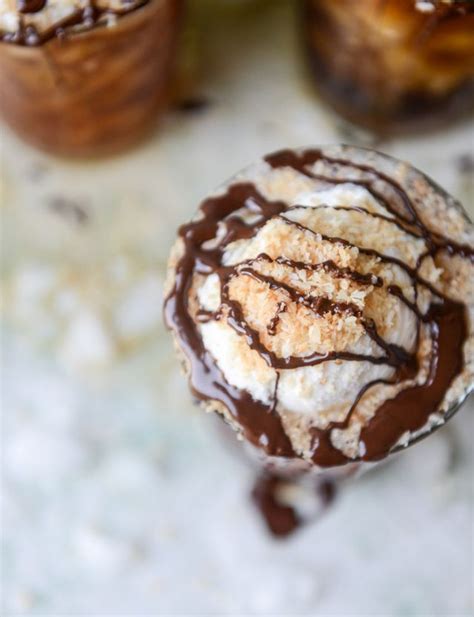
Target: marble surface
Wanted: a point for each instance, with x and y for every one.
(118, 497)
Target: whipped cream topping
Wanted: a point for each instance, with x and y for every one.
(319, 298)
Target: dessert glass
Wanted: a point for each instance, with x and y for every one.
(321, 303)
(91, 90)
(393, 65)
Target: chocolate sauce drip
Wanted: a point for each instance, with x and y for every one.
(260, 423)
(281, 519)
(408, 410)
(327, 491)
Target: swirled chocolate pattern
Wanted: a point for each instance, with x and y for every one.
(336, 288)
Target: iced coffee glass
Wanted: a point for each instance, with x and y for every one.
(393, 64)
(83, 79)
(320, 303)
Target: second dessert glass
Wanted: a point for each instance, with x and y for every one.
(93, 87)
(393, 65)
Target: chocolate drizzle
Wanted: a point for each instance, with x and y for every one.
(275, 320)
(80, 19)
(260, 422)
(30, 6)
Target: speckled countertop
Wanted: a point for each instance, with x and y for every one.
(118, 498)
